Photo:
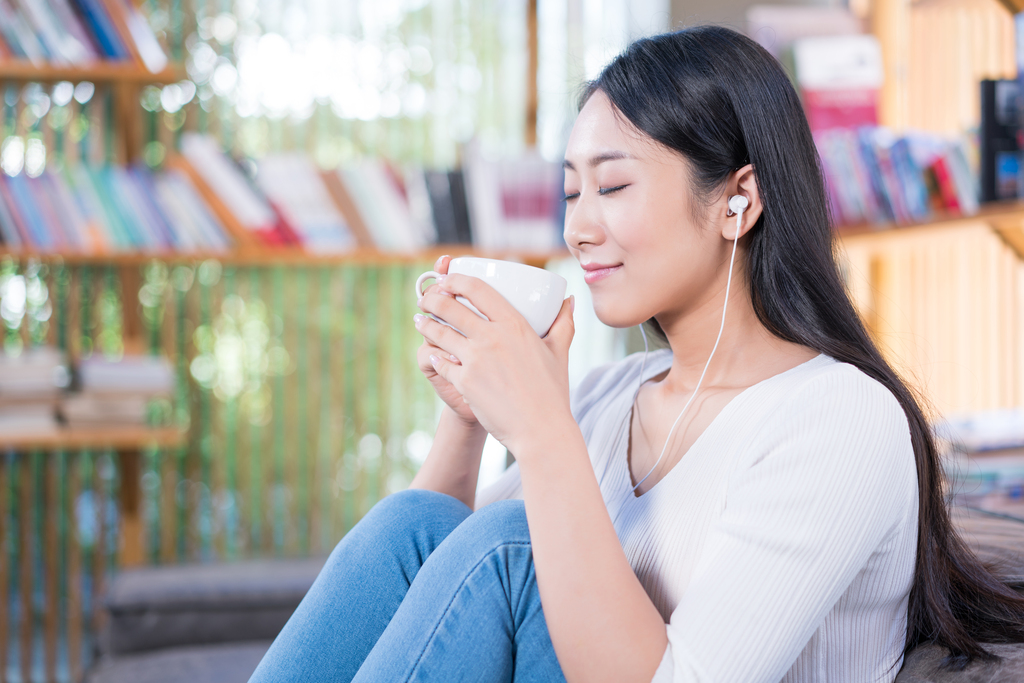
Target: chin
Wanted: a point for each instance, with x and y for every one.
(617, 314)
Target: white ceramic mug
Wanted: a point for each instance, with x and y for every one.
(536, 293)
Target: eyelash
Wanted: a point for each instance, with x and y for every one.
(602, 191)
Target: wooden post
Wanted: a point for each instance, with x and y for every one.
(99, 553)
(129, 121)
(5, 587)
(26, 503)
(51, 587)
(133, 331)
(532, 47)
(890, 22)
(74, 573)
(132, 549)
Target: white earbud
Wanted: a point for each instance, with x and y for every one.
(737, 204)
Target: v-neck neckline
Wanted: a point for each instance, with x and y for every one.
(624, 459)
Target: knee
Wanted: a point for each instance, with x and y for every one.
(416, 504)
(501, 521)
(418, 517)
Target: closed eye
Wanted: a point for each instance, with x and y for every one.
(609, 190)
(568, 197)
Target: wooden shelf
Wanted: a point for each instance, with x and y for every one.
(99, 72)
(292, 256)
(80, 438)
(993, 210)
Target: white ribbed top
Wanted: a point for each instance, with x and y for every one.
(782, 545)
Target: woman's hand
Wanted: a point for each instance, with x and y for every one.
(513, 382)
(448, 393)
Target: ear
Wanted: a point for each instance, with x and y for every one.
(741, 182)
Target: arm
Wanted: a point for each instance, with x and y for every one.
(603, 625)
(453, 464)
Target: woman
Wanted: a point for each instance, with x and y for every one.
(775, 514)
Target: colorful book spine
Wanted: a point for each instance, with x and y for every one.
(102, 28)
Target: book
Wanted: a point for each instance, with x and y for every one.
(347, 207)
(998, 140)
(137, 34)
(19, 36)
(839, 78)
(379, 196)
(132, 374)
(448, 205)
(102, 28)
(513, 203)
(295, 188)
(34, 374)
(873, 175)
(233, 190)
(81, 409)
(62, 46)
(89, 209)
(28, 419)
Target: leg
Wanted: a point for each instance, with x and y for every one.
(473, 613)
(359, 589)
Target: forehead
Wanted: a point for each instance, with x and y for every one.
(601, 130)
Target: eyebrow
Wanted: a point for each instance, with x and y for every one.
(599, 159)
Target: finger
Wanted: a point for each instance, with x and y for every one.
(447, 370)
(442, 263)
(453, 312)
(485, 298)
(427, 349)
(441, 336)
(560, 335)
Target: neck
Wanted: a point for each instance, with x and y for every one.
(747, 352)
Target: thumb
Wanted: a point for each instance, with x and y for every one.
(560, 335)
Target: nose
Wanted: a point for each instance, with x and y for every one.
(582, 226)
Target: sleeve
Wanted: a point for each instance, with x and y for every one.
(835, 478)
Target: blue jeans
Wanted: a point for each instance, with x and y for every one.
(422, 589)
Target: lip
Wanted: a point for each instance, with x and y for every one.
(596, 271)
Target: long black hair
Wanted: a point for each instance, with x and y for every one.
(722, 101)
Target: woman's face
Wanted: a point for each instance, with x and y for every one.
(630, 223)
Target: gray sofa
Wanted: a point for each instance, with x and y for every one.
(213, 623)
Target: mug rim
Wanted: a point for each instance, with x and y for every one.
(502, 261)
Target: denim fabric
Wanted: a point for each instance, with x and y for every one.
(421, 590)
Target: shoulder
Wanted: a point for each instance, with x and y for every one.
(834, 411)
(840, 391)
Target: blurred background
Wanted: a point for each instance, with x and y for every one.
(212, 213)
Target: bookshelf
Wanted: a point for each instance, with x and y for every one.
(944, 300)
(79, 438)
(100, 72)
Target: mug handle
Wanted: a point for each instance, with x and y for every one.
(421, 279)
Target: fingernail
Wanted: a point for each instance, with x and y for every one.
(434, 360)
(417, 319)
(452, 356)
(440, 278)
(572, 303)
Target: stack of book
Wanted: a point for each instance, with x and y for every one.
(78, 32)
(874, 176)
(117, 392)
(98, 209)
(30, 389)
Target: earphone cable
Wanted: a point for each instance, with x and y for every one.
(721, 328)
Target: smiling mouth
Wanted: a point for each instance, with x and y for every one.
(592, 276)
